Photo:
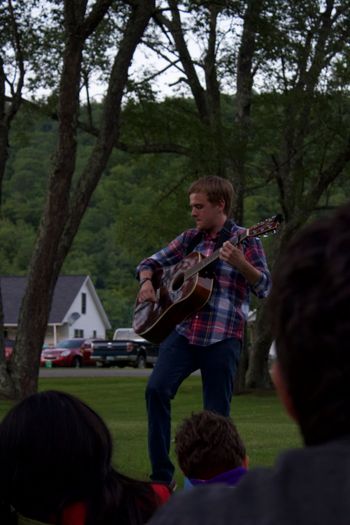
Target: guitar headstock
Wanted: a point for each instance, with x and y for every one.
(265, 227)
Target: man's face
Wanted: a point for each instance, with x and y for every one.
(208, 216)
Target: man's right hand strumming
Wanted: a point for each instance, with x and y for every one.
(147, 291)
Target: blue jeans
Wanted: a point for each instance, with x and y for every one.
(177, 360)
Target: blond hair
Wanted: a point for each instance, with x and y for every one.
(217, 189)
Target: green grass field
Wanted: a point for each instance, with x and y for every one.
(260, 419)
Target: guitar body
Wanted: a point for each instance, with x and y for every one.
(177, 297)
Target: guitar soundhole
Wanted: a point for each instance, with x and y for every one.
(178, 281)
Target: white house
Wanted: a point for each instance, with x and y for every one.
(76, 309)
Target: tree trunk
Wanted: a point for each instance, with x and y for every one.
(240, 379)
(258, 375)
(62, 214)
(245, 76)
(7, 114)
(36, 302)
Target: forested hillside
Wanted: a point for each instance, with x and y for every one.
(129, 216)
(139, 205)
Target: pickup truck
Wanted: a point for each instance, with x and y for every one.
(126, 349)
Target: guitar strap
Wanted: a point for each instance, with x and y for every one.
(194, 241)
(224, 235)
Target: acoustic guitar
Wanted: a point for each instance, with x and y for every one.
(182, 289)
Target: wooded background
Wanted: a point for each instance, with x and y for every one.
(259, 94)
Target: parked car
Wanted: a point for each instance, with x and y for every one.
(69, 352)
(126, 349)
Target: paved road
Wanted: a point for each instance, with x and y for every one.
(94, 372)
(97, 372)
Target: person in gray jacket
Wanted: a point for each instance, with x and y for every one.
(309, 305)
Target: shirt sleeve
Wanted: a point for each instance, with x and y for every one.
(254, 253)
(168, 256)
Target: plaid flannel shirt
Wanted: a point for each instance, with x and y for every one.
(223, 316)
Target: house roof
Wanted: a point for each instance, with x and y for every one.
(66, 290)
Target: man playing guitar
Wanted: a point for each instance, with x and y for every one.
(210, 339)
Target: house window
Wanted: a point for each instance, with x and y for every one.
(83, 303)
(78, 333)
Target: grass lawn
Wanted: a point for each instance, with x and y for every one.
(260, 418)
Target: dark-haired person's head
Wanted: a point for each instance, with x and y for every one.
(56, 451)
(309, 306)
(208, 444)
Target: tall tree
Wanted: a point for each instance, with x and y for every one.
(312, 147)
(18, 38)
(295, 53)
(246, 70)
(67, 199)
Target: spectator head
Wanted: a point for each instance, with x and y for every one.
(56, 451)
(217, 190)
(309, 307)
(208, 444)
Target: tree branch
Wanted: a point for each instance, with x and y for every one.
(109, 131)
(16, 101)
(176, 30)
(97, 13)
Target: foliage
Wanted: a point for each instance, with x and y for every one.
(141, 201)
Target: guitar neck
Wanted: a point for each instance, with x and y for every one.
(215, 255)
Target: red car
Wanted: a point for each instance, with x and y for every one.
(68, 352)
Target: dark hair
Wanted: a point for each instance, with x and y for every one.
(55, 451)
(216, 189)
(208, 444)
(309, 308)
